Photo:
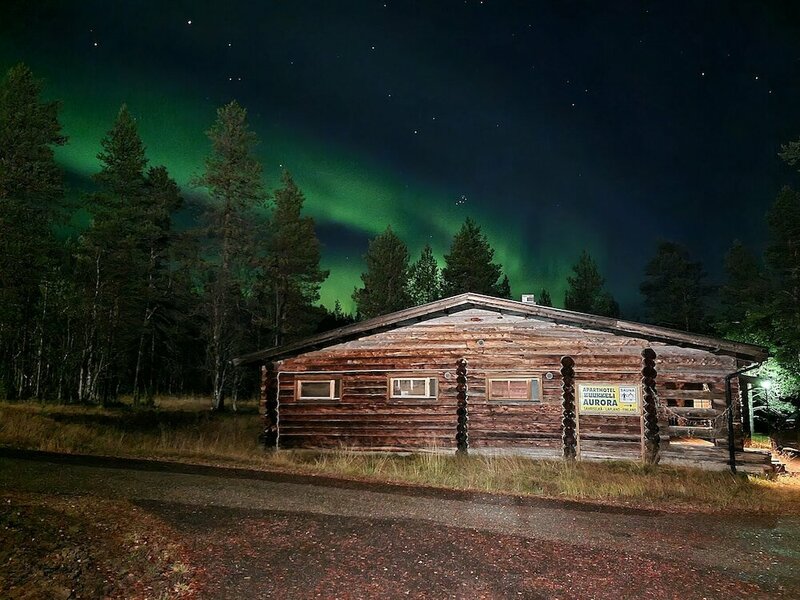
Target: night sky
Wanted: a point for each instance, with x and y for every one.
(557, 126)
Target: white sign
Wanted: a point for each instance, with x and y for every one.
(608, 399)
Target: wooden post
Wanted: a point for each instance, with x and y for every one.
(269, 406)
(462, 428)
(652, 440)
(568, 437)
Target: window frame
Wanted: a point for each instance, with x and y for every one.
(527, 378)
(425, 377)
(334, 383)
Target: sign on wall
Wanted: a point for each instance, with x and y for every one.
(608, 399)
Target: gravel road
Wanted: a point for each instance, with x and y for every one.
(267, 535)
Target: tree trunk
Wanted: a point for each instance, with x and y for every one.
(40, 350)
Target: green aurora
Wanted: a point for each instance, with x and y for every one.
(564, 128)
(345, 189)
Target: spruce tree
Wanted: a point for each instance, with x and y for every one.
(158, 311)
(425, 280)
(674, 289)
(469, 266)
(504, 288)
(744, 297)
(585, 291)
(232, 177)
(605, 305)
(332, 319)
(292, 275)
(113, 260)
(544, 298)
(386, 278)
(790, 153)
(31, 200)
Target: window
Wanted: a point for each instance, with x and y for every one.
(319, 389)
(514, 389)
(412, 387)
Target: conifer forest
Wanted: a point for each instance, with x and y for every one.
(121, 301)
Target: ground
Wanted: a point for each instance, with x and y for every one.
(154, 530)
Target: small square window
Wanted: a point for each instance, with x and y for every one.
(514, 389)
(322, 389)
(413, 387)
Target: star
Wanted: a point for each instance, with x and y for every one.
(95, 44)
(756, 77)
(189, 22)
(702, 73)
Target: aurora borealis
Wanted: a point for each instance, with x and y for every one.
(557, 126)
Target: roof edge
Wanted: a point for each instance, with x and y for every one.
(437, 308)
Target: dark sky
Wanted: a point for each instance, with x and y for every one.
(558, 126)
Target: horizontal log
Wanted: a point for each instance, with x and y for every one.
(689, 395)
(370, 431)
(366, 405)
(516, 444)
(494, 434)
(699, 413)
(701, 433)
(358, 438)
(612, 437)
(408, 421)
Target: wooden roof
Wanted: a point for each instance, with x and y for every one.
(432, 310)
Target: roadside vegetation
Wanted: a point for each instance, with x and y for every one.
(183, 429)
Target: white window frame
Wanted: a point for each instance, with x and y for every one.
(332, 393)
(528, 379)
(426, 379)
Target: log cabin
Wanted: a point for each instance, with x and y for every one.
(478, 374)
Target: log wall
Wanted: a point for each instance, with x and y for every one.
(690, 389)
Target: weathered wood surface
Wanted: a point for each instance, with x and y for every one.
(502, 308)
(716, 458)
(494, 345)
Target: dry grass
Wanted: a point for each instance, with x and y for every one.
(174, 429)
(760, 441)
(184, 429)
(613, 482)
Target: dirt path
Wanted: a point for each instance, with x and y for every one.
(263, 538)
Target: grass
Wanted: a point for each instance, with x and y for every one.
(759, 440)
(184, 429)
